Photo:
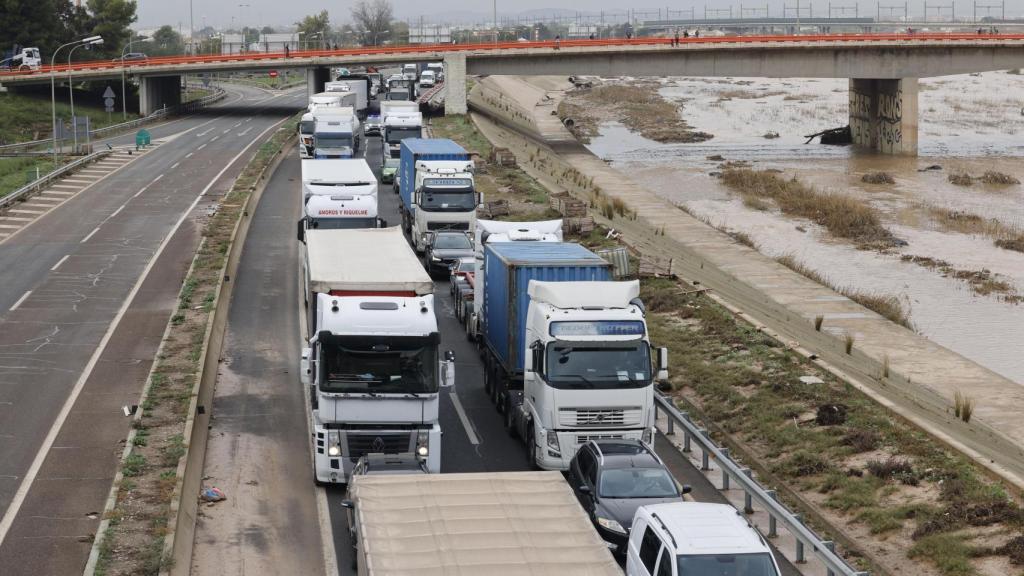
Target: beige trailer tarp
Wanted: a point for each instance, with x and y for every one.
(364, 260)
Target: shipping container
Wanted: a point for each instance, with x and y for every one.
(509, 267)
(419, 149)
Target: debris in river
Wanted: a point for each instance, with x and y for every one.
(833, 136)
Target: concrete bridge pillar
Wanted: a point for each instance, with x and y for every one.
(883, 115)
(455, 84)
(316, 78)
(156, 92)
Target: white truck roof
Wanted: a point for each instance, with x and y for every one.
(341, 170)
(364, 260)
(704, 528)
(497, 524)
(398, 107)
(333, 112)
(521, 228)
(584, 294)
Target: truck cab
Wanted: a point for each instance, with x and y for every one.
(400, 120)
(24, 59)
(427, 79)
(336, 136)
(410, 72)
(445, 198)
(306, 129)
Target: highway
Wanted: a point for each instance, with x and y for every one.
(85, 296)
(275, 520)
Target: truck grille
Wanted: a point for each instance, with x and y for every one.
(362, 443)
(447, 225)
(582, 439)
(599, 417)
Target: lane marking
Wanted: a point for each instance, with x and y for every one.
(189, 155)
(157, 178)
(116, 212)
(94, 230)
(246, 131)
(473, 439)
(59, 262)
(201, 147)
(204, 133)
(214, 139)
(37, 463)
(20, 300)
(226, 131)
(175, 165)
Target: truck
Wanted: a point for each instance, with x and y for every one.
(306, 128)
(22, 59)
(370, 359)
(328, 100)
(438, 69)
(345, 176)
(403, 91)
(567, 357)
(337, 133)
(400, 120)
(436, 188)
(410, 72)
(472, 523)
(489, 231)
(357, 86)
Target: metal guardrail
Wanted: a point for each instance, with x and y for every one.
(753, 491)
(100, 132)
(43, 181)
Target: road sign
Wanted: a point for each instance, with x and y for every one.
(273, 73)
(109, 93)
(206, 80)
(109, 104)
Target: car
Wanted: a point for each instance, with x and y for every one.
(372, 126)
(389, 169)
(681, 538)
(132, 57)
(444, 247)
(612, 478)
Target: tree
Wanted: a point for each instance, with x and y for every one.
(267, 30)
(312, 25)
(372, 20)
(111, 19)
(166, 41)
(27, 24)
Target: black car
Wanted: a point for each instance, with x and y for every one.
(612, 478)
(444, 248)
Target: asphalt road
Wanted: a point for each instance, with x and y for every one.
(85, 294)
(274, 518)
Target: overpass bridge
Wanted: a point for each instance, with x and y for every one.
(883, 69)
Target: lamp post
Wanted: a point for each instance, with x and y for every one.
(71, 92)
(53, 86)
(124, 99)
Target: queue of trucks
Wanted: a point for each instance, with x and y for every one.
(567, 362)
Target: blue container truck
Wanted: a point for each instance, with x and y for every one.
(442, 170)
(567, 357)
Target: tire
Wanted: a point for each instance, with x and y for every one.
(510, 425)
(531, 452)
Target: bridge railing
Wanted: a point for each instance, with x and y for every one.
(754, 493)
(42, 182)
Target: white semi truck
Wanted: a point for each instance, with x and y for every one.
(345, 176)
(371, 359)
(23, 59)
(399, 120)
(337, 133)
(567, 357)
(338, 194)
(491, 523)
(331, 100)
(357, 86)
(437, 188)
(306, 127)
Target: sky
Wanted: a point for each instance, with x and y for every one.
(224, 13)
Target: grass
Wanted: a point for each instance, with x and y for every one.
(963, 406)
(843, 216)
(886, 306)
(878, 178)
(16, 172)
(25, 117)
(961, 179)
(948, 552)
(998, 179)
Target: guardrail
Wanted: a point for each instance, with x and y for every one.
(41, 182)
(100, 132)
(754, 493)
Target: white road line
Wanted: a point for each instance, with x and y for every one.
(175, 165)
(214, 139)
(116, 212)
(204, 133)
(157, 178)
(20, 300)
(246, 131)
(237, 125)
(94, 230)
(201, 147)
(473, 439)
(189, 155)
(30, 476)
(59, 262)
(226, 131)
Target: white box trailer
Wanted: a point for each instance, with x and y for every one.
(331, 177)
(493, 524)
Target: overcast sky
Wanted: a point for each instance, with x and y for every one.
(218, 13)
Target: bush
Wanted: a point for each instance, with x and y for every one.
(878, 178)
(998, 178)
(961, 179)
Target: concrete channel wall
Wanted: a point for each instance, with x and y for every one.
(923, 377)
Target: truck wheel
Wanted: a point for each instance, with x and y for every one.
(510, 424)
(531, 451)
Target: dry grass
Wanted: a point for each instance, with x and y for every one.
(888, 307)
(961, 179)
(963, 406)
(998, 179)
(982, 282)
(878, 178)
(842, 216)
(1006, 237)
(1015, 243)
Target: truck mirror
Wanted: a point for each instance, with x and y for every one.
(305, 371)
(479, 198)
(347, 504)
(448, 372)
(302, 230)
(662, 375)
(687, 489)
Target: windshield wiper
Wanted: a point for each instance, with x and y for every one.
(583, 378)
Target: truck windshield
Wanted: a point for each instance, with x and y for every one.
(378, 365)
(397, 95)
(600, 365)
(396, 135)
(334, 141)
(455, 200)
(342, 223)
(726, 565)
(306, 126)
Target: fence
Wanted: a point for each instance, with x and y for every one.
(43, 181)
(754, 493)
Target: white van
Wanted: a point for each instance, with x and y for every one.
(684, 538)
(427, 79)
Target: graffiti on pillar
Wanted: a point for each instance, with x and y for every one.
(876, 117)
(890, 120)
(861, 118)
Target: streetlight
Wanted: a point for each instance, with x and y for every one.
(71, 92)
(53, 87)
(124, 99)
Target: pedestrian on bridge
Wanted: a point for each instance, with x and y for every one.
(675, 39)
(558, 41)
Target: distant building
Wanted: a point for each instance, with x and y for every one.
(232, 43)
(278, 42)
(581, 31)
(429, 34)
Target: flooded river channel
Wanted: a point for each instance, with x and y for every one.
(968, 124)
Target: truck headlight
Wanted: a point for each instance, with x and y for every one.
(423, 443)
(648, 436)
(553, 441)
(609, 524)
(334, 444)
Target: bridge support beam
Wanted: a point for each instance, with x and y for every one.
(316, 78)
(455, 84)
(883, 115)
(156, 92)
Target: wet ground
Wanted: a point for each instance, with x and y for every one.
(967, 124)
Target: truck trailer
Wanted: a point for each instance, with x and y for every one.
(567, 357)
(399, 120)
(359, 86)
(437, 188)
(345, 176)
(370, 359)
(491, 523)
